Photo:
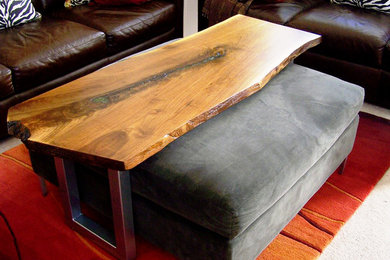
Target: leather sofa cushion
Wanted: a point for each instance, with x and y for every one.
(227, 172)
(279, 11)
(41, 51)
(124, 26)
(6, 88)
(348, 33)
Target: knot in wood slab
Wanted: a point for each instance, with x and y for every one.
(217, 52)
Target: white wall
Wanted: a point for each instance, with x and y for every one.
(190, 17)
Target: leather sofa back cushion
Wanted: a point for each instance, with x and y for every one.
(6, 88)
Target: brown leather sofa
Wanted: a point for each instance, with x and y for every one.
(355, 46)
(71, 42)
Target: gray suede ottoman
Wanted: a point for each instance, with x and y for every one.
(227, 188)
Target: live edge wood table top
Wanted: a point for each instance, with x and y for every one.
(120, 115)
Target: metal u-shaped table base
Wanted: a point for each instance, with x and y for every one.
(121, 242)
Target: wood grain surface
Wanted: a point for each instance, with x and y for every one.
(120, 115)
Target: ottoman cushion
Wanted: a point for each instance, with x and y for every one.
(226, 173)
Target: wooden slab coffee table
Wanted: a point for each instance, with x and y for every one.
(121, 115)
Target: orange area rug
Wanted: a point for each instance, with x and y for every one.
(34, 226)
